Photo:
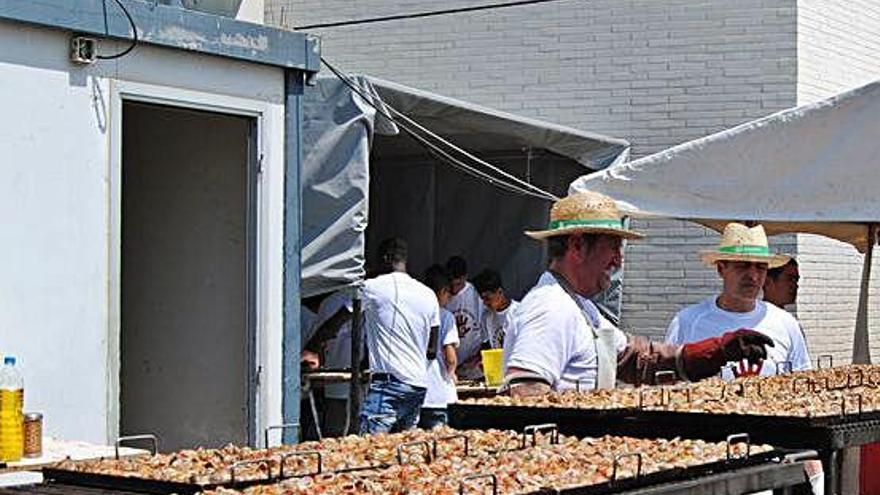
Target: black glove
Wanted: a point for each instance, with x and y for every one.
(705, 358)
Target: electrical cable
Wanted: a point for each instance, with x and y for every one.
(134, 35)
(530, 190)
(417, 15)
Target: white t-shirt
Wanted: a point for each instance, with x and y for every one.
(497, 324)
(468, 310)
(337, 354)
(550, 336)
(705, 320)
(441, 389)
(400, 312)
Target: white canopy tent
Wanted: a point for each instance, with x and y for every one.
(809, 169)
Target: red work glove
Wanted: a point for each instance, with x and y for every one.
(705, 358)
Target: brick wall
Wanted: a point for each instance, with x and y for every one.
(838, 43)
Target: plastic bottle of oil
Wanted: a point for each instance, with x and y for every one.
(11, 411)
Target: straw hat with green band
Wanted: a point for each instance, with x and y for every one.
(585, 212)
(741, 243)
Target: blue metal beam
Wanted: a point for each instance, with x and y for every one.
(293, 114)
(172, 27)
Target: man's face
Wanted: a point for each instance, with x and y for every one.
(457, 284)
(742, 279)
(493, 299)
(599, 261)
(783, 289)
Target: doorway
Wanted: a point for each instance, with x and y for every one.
(187, 283)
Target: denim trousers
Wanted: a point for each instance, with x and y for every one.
(390, 406)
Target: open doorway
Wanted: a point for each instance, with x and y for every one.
(187, 369)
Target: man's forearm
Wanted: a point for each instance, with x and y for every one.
(642, 358)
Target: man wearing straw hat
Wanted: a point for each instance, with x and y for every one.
(742, 260)
(554, 343)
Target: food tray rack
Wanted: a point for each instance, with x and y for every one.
(769, 470)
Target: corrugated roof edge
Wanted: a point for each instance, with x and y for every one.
(173, 27)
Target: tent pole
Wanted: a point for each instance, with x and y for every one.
(861, 348)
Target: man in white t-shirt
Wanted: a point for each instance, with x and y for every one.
(402, 320)
(441, 371)
(467, 308)
(499, 309)
(741, 260)
(555, 342)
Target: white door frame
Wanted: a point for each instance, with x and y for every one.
(269, 200)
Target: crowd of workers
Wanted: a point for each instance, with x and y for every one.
(421, 336)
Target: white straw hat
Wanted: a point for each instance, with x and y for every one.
(585, 212)
(741, 243)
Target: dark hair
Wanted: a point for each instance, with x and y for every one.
(456, 267)
(775, 272)
(391, 251)
(558, 245)
(487, 281)
(436, 278)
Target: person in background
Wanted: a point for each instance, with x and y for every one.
(402, 320)
(781, 284)
(467, 308)
(499, 309)
(441, 371)
(559, 338)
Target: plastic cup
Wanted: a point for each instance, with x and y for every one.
(493, 368)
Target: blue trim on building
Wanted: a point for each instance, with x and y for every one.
(294, 82)
(172, 27)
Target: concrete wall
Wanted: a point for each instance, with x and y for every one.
(59, 205)
(656, 72)
(838, 43)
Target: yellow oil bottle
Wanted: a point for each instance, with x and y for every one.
(11, 411)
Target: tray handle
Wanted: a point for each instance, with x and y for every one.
(403, 446)
(860, 402)
(266, 461)
(619, 457)
(827, 357)
(282, 427)
(672, 390)
(800, 379)
(739, 438)
(782, 366)
(644, 391)
(534, 429)
(154, 441)
(462, 485)
(577, 383)
(436, 443)
(815, 384)
(319, 467)
(665, 374)
(849, 378)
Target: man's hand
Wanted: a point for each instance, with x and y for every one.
(705, 358)
(746, 344)
(310, 360)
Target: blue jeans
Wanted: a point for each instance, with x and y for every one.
(390, 406)
(432, 417)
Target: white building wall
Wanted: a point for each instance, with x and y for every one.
(59, 201)
(655, 72)
(838, 43)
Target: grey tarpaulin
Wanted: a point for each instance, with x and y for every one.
(809, 169)
(401, 190)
